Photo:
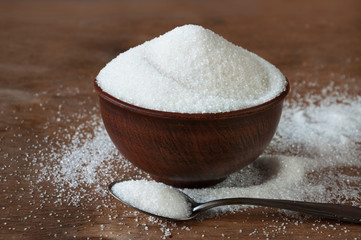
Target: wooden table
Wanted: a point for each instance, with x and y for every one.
(50, 52)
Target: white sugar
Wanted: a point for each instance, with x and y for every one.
(153, 197)
(328, 131)
(315, 156)
(191, 70)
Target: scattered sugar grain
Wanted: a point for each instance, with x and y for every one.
(191, 70)
(323, 177)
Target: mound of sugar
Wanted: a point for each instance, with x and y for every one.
(153, 197)
(191, 70)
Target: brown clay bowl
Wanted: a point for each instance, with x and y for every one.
(189, 150)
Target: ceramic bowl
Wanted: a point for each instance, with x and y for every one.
(189, 150)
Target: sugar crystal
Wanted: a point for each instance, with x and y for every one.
(191, 70)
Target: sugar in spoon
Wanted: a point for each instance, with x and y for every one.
(160, 200)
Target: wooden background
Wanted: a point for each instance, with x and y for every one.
(50, 52)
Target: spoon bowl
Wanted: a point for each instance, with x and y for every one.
(325, 210)
(191, 204)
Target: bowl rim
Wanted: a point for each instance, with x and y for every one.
(191, 116)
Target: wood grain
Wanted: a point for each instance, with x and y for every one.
(50, 52)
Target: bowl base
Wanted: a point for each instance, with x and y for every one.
(188, 184)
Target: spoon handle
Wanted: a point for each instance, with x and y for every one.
(327, 210)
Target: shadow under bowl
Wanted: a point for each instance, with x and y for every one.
(189, 150)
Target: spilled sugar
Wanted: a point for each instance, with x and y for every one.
(191, 70)
(313, 143)
(153, 197)
(165, 201)
(268, 177)
(313, 152)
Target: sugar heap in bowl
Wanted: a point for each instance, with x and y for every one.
(189, 107)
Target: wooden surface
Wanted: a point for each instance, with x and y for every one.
(50, 52)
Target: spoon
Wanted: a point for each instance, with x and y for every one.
(325, 210)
